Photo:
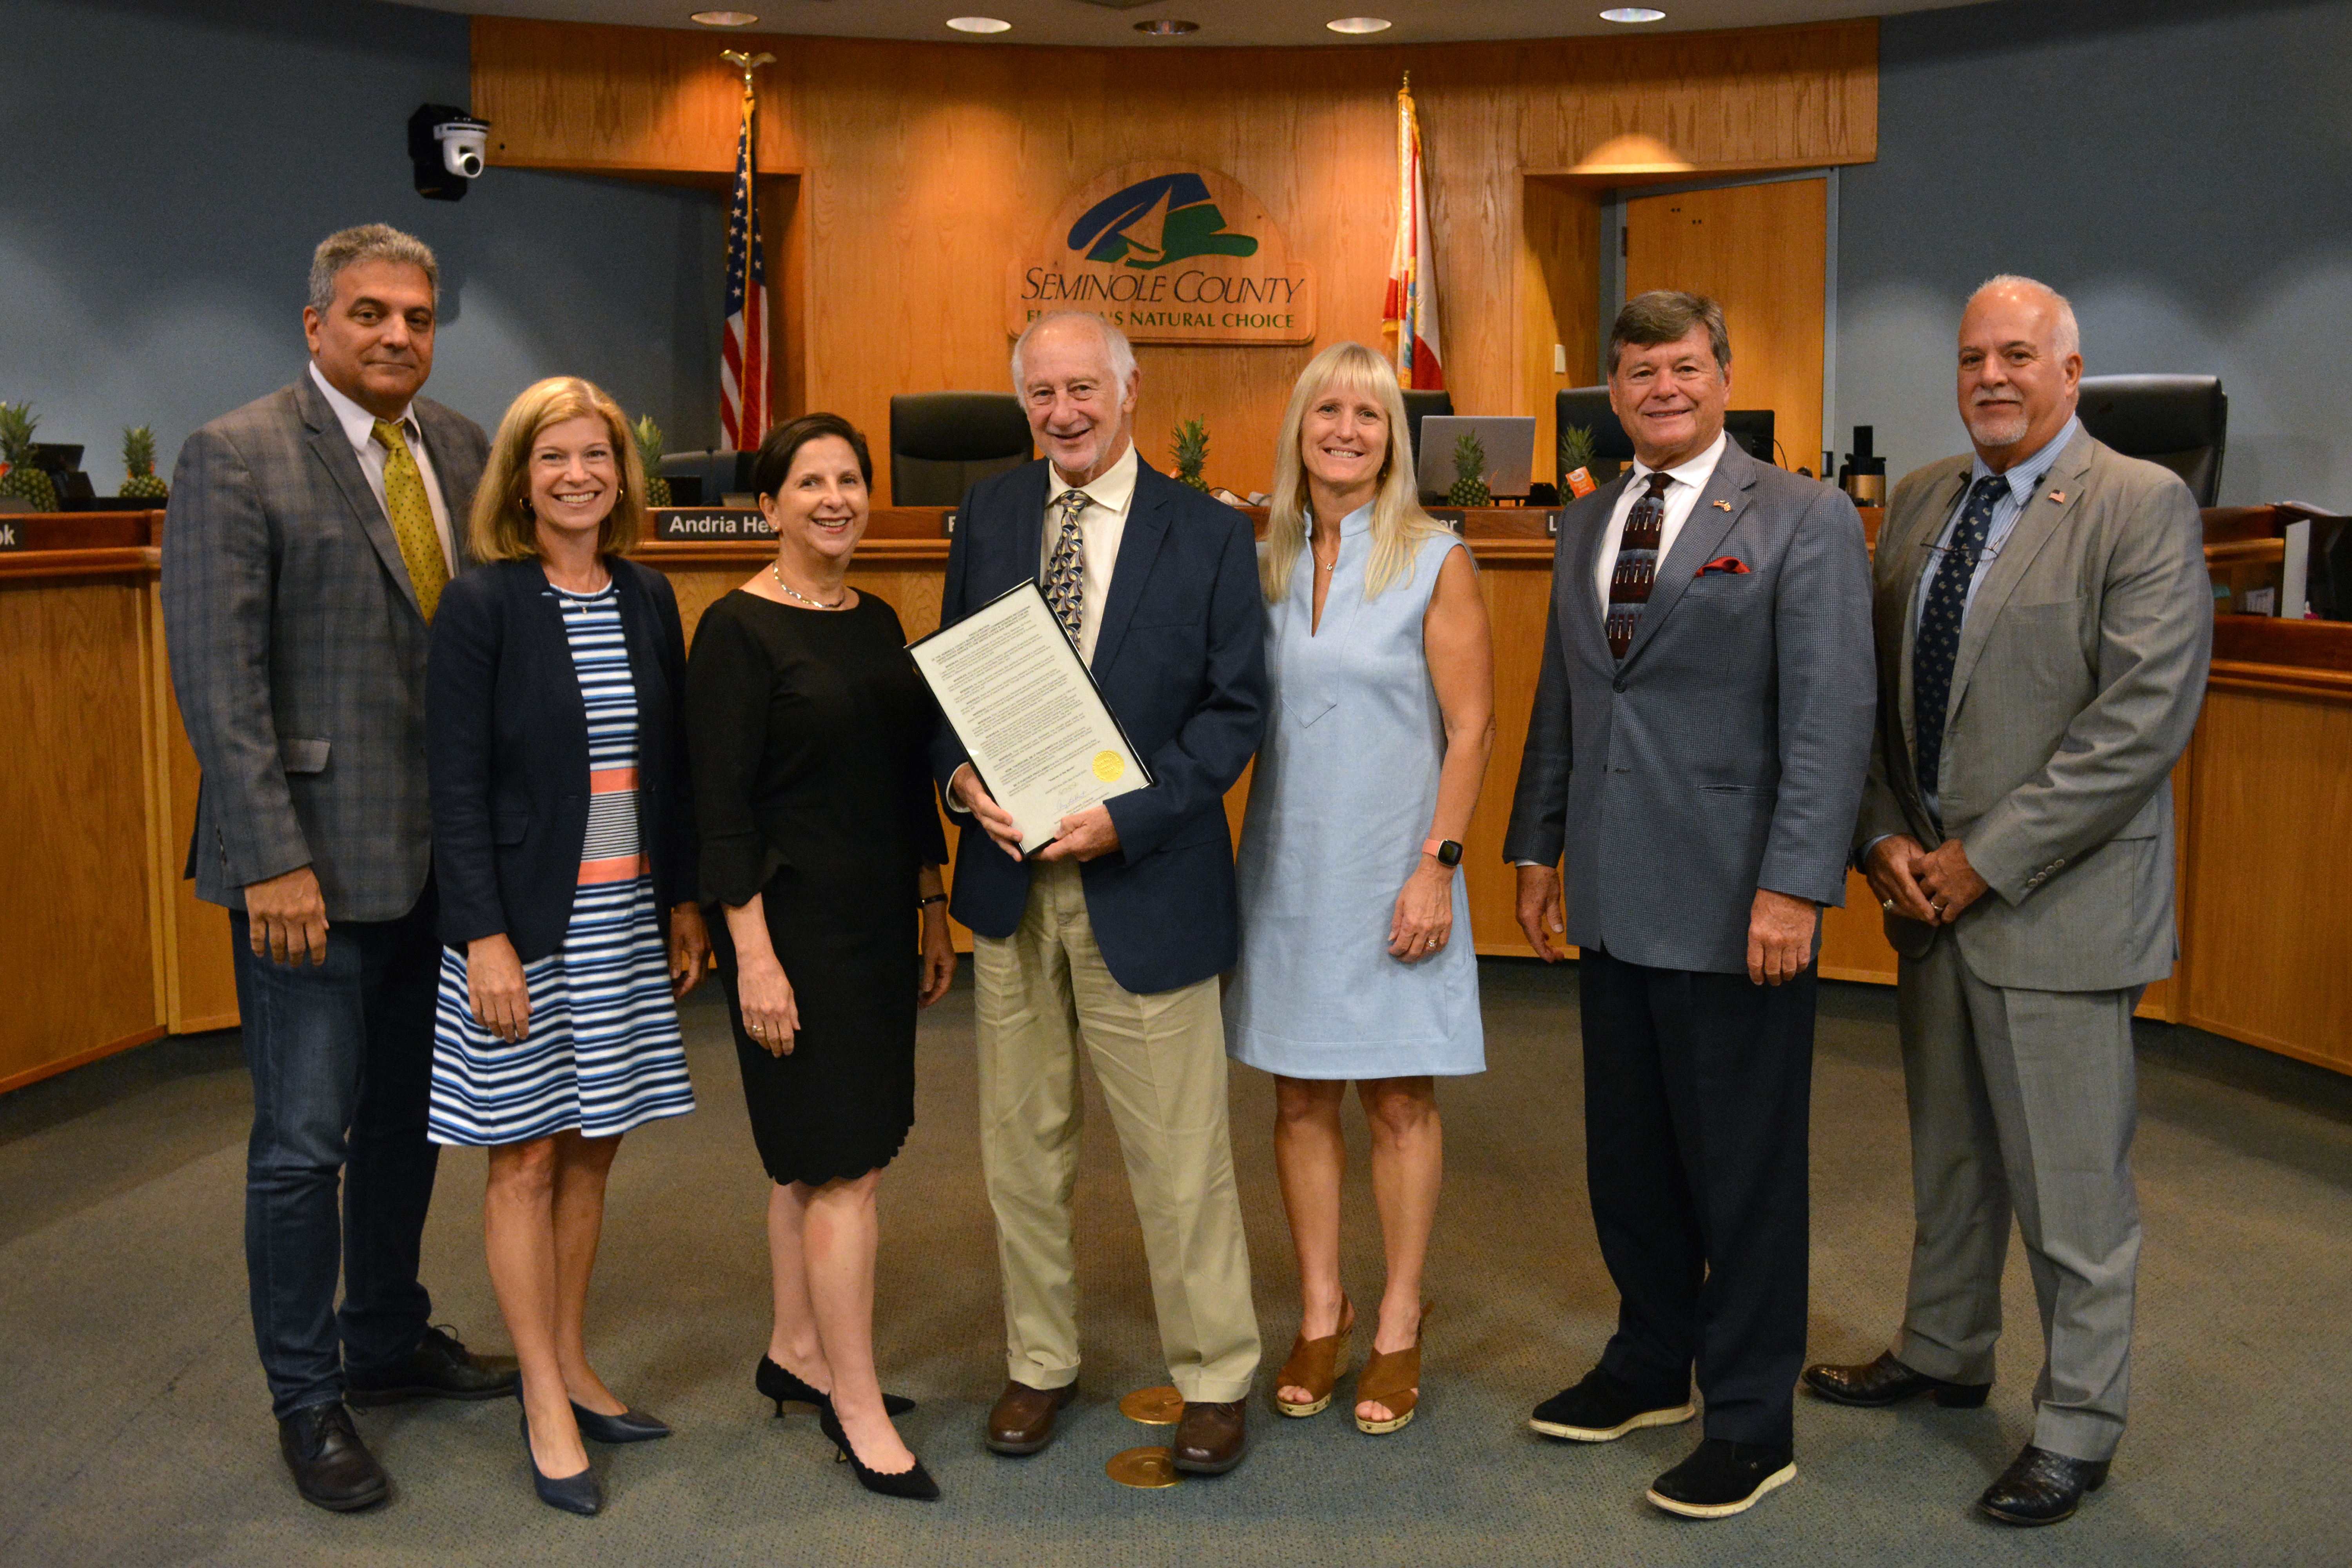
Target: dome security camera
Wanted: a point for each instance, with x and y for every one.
(463, 141)
(449, 148)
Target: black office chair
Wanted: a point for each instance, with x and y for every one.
(941, 442)
(1752, 428)
(1589, 407)
(1419, 405)
(2179, 421)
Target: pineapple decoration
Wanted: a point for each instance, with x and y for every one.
(139, 482)
(1469, 474)
(649, 452)
(1191, 452)
(1577, 460)
(22, 479)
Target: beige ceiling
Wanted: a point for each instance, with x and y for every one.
(1257, 23)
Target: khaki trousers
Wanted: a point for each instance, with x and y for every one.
(1042, 993)
(2023, 1103)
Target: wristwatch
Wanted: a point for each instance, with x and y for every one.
(1447, 850)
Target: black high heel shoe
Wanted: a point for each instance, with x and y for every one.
(775, 1383)
(578, 1494)
(629, 1426)
(914, 1483)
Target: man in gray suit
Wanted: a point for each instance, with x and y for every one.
(2044, 620)
(307, 541)
(1700, 732)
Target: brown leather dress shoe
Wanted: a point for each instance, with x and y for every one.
(1888, 1382)
(1023, 1420)
(1210, 1438)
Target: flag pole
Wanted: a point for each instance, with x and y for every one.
(743, 349)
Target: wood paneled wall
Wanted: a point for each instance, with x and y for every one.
(919, 168)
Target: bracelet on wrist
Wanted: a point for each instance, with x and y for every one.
(929, 900)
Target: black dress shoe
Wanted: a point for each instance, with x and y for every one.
(1600, 1409)
(332, 1467)
(629, 1426)
(1888, 1382)
(915, 1484)
(577, 1494)
(438, 1368)
(2041, 1488)
(1722, 1478)
(775, 1383)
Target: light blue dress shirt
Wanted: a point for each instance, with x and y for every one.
(2024, 480)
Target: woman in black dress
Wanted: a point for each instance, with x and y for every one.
(809, 733)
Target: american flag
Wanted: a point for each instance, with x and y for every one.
(743, 356)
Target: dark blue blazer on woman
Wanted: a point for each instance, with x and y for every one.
(507, 752)
(1181, 658)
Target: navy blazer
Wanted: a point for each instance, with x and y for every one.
(1181, 657)
(506, 751)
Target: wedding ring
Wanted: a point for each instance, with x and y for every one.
(1887, 904)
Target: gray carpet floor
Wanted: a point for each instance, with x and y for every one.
(136, 1425)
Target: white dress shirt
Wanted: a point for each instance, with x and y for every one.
(1101, 526)
(360, 426)
(1682, 494)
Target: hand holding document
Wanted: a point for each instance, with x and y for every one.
(1028, 713)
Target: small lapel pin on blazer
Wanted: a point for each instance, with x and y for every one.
(2058, 496)
(1723, 505)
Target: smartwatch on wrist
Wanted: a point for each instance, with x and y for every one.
(1447, 850)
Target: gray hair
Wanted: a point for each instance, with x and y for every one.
(368, 242)
(1115, 348)
(2070, 333)
(1666, 316)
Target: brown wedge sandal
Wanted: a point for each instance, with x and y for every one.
(1392, 1379)
(1315, 1365)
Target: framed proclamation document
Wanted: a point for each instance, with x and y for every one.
(1028, 713)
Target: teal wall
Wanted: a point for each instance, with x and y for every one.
(171, 164)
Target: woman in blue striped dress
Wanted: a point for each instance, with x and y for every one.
(563, 845)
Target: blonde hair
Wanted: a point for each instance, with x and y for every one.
(503, 527)
(1398, 525)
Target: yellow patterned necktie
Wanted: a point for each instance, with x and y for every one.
(411, 517)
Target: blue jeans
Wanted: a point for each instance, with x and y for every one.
(341, 1058)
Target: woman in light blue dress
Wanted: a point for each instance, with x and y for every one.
(1356, 955)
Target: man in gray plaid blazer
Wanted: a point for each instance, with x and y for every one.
(306, 541)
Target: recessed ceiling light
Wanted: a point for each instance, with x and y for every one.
(1359, 24)
(979, 24)
(1168, 29)
(1633, 13)
(723, 19)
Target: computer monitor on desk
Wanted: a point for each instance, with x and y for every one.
(1508, 441)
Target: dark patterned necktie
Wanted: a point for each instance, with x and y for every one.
(1637, 564)
(1066, 569)
(1938, 646)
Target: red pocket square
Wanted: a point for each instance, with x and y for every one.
(1731, 563)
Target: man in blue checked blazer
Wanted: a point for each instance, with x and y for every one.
(1693, 763)
(307, 540)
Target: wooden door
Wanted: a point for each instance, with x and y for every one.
(1763, 251)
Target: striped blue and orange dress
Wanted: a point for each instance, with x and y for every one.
(602, 1053)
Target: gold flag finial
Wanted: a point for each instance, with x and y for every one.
(1408, 83)
(746, 64)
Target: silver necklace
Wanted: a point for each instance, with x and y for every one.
(803, 598)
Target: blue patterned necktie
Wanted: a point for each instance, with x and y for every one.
(1066, 569)
(1637, 565)
(1938, 646)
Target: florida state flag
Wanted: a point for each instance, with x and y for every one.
(1410, 315)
